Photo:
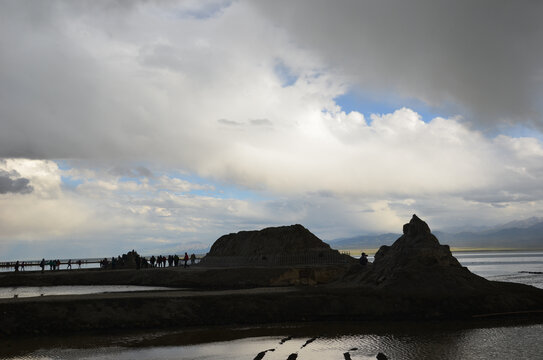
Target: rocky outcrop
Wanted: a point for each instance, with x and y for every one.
(284, 245)
(418, 263)
(273, 240)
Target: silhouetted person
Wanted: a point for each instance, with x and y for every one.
(69, 264)
(192, 259)
(79, 264)
(176, 260)
(185, 259)
(363, 259)
(17, 265)
(42, 264)
(138, 262)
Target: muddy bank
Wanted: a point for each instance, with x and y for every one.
(193, 277)
(178, 309)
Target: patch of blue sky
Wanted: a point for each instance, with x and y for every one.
(367, 105)
(519, 131)
(285, 74)
(70, 182)
(63, 165)
(67, 181)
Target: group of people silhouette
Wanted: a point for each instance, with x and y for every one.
(134, 259)
(119, 262)
(171, 260)
(55, 264)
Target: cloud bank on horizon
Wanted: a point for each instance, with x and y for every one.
(162, 125)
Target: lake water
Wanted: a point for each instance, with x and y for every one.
(514, 266)
(509, 338)
(33, 291)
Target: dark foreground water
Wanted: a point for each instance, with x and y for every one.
(510, 338)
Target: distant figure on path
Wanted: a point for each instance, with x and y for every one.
(363, 259)
(69, 264)
(42, 264)
(17, 265)
(22, 266)
(192, 259)
(176, 260)
(186, 258)
(79, 264)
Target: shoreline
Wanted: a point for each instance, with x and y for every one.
(178, 309)
(243, 296)
(197, 277)
(372, 251)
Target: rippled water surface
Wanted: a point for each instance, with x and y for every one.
(481, 340)
(514, 266)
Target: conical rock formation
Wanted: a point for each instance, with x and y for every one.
(418, 264)
(418, 248)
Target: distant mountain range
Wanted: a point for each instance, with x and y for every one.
(523, 234)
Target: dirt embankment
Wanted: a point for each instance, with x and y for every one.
(177, 309)
(193, 277)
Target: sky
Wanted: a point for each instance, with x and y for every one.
(161, 125)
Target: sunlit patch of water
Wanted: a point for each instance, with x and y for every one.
(34, 291)
(431, 341)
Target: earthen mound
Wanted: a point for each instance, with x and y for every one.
(284, 245)
(273, 240)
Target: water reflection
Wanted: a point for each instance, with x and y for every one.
(406, 340)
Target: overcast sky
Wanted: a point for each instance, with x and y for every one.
(161, 125)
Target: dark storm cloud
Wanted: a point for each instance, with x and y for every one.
(10, 182)
(482, 57)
